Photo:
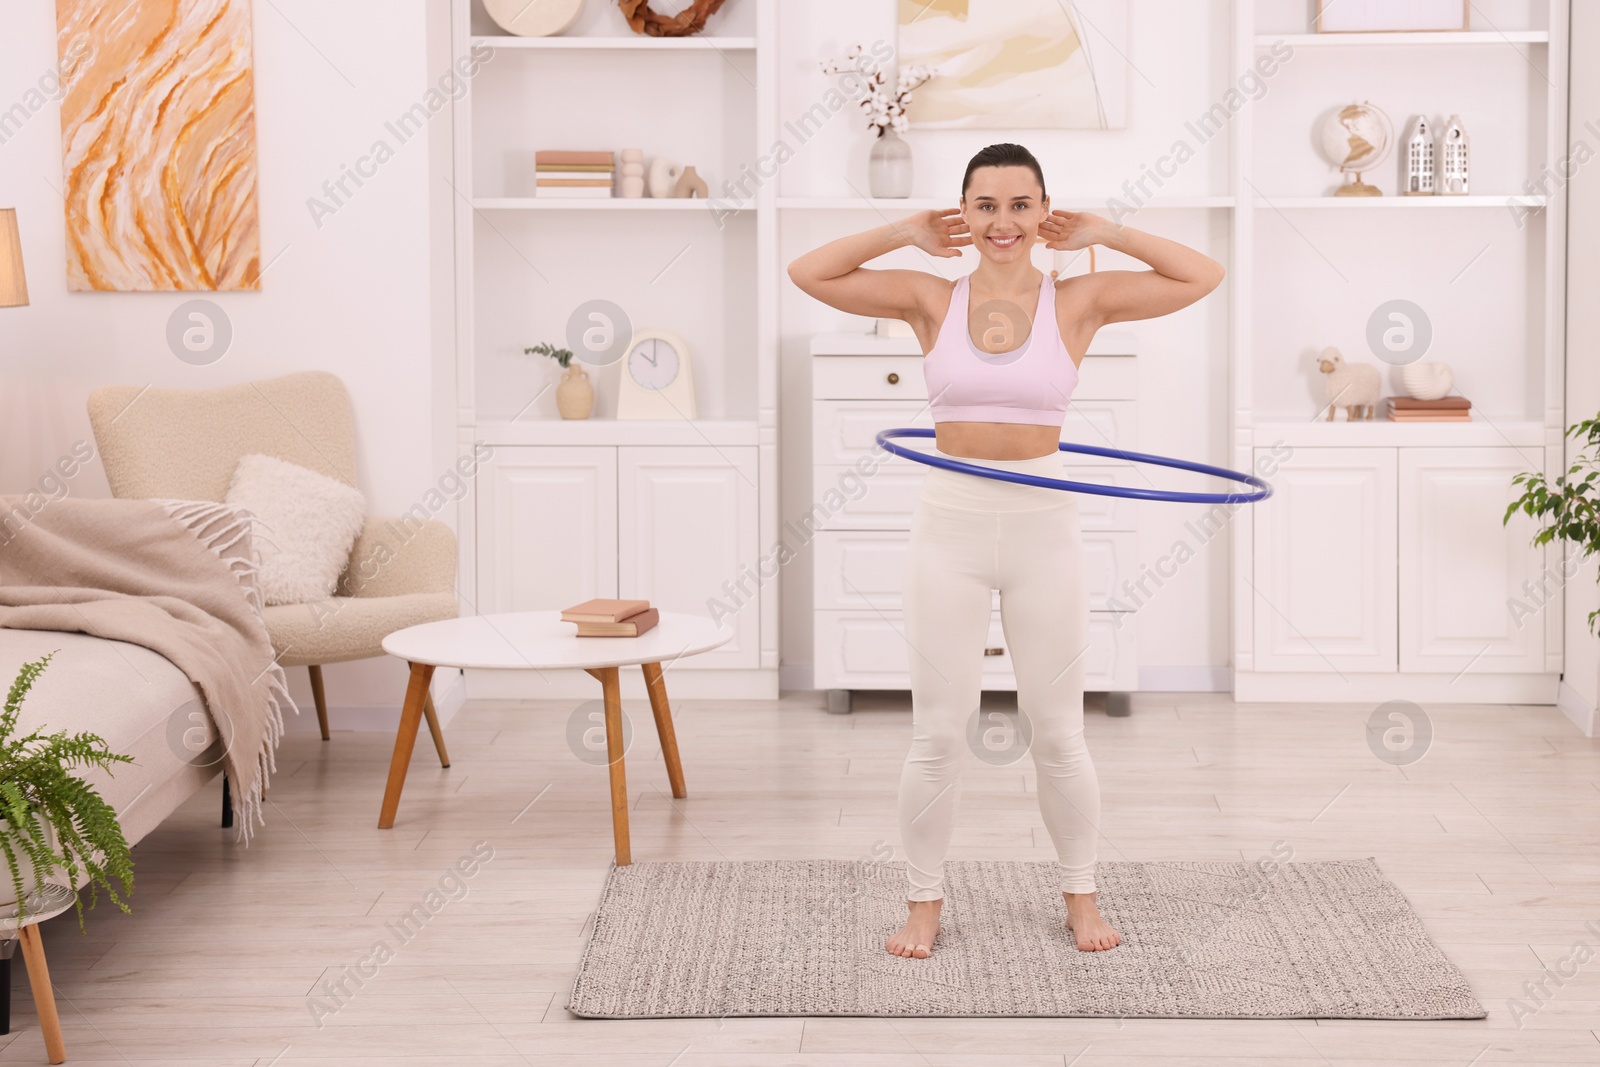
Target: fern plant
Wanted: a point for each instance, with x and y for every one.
(1570, 505)
(38, 794)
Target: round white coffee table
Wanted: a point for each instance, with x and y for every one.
(539, 640)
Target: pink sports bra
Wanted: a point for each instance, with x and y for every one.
(1030, 384)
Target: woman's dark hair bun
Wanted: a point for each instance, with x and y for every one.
(1004, 155)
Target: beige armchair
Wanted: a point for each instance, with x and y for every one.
(185, 443)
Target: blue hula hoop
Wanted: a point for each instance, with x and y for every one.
(1263, 489)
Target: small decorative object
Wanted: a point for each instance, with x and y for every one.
(575, 394)
(662, 178)
(689, 21)
(1352, 386)
(1419, 159)
(658, 378)
(577, 175)
(632, 173)
(545, 18)
(50, 820)
(889, 165)
(1357, 138)
(1565, 506)
(1376, 16)
(1453, 159)
(1427, 381)
(689, 185)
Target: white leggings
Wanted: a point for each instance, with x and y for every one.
(969, 535)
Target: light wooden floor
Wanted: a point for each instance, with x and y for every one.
(1494, 837)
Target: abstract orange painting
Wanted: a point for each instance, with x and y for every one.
(158, 144)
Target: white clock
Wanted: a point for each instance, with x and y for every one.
(657, 378)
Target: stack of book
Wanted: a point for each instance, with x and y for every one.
(573, 174)
(604, 617)
(1445, 409)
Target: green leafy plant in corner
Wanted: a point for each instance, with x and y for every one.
(38, 791)
(1568, 505)
(562, 356)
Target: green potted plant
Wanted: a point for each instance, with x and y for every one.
(575, 394)
(1568, 505)
(51, 820)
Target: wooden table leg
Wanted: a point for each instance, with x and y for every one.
(44, 997)
(433, 728)
(404, 741)
(612, 688)
(657, 687)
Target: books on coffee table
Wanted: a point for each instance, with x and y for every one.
(611, 617)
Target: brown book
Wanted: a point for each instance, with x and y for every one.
(632, 626)
(583, 183)
(1444, 403)
(1432, 416)
(603, 609)
(573, 168)
(557, 156)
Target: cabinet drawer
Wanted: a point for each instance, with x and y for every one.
(867, 650)
(845, 499)
(865, 569)
(868, 378)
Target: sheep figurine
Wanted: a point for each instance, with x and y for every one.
(1352, 386)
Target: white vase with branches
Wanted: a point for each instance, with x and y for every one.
(889, 163)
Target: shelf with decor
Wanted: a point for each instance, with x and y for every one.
(622, 486)
(1381, 568)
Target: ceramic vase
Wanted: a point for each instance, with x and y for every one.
(889, 166)
(575, 394)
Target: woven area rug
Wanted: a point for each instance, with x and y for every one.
(1330, 939)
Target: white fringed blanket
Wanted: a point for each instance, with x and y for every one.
(176, 576)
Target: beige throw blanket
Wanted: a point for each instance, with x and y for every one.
(176, 576)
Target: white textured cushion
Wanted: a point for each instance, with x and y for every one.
(305, 525)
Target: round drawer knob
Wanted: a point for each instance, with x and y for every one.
(894, 377)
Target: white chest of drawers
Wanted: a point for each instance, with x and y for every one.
(861, 527)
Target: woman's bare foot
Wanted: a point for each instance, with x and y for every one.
(915, 939)
(1084, 919)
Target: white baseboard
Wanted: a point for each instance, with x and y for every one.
(1185, 680)
(1151, 679)
(1580, 711)
(449, 695)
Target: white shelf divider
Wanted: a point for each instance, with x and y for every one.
(1429, 39)
(596, 43)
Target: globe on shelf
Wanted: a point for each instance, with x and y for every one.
(1357, 138)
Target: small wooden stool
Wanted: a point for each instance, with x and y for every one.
(47, 902)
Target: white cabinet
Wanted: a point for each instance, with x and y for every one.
(673, 524)
(1325, 562)
(861, 525)
(1395, 561)
(1465, 567)
(547, 527)
(686, 521)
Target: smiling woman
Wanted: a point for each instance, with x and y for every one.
(1002, 348)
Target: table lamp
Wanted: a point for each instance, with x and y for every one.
(13, 284)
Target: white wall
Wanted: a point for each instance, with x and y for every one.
(351, 296)
(1581, 691)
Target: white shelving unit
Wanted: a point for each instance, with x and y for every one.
(678, 511)
(1380, 570)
